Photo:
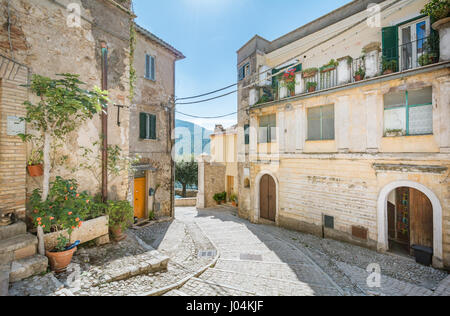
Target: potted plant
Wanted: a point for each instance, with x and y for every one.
(234, 200)
(60, 212)
(220, 198)
(288, 81)
(439, 12)
(394, 132)
(427, 59)
(330, 66)
(310, 72)
(121, 216)
(437, 9)
(360, 74)
(34, 165)
(62, 107)
(389, 66)
(311, 86)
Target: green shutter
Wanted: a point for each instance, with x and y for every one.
(147, 66)
(247, 134)
(152, 126)
(390, 43)
(143, 125)
(153, 68)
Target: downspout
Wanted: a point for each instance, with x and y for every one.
(104, 125)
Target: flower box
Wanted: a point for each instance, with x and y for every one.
(309, 74)
(94, 229)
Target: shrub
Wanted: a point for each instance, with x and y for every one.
(121, 214)
(437, 9)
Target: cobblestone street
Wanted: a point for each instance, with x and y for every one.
(267, 260)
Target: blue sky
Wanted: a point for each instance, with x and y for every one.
(209, 32)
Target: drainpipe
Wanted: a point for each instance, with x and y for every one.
(104, 124)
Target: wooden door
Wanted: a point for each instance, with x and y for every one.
(139, 197)
(230, 186)
(268, 198)
(391, 221)
(421, 218)
(402, 220)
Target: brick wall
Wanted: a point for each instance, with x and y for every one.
(12, 149)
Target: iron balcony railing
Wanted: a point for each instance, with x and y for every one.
(415, 54)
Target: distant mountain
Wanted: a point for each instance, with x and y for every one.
(191, 139)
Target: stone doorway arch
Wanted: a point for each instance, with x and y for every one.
(271, 177)
(382, 218)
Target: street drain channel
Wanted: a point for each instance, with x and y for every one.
(207, 253)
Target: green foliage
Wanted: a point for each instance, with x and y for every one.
(311, 84)
(63, 209)
(331, 64)
(63, 105)
(121, 214)
(427, 59)
(220, 197)
(186, 173)
(360, 72)
(133, 76)
(310, 71)
(36, 157)
(389, 64)
(63, 241)
(234, 198)
(437, 9)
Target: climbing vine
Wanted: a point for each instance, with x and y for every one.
(132, 52)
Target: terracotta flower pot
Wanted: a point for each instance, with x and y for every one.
(60, 260)
(359, 78)
(234, 204)
(292, 93)
(309, 74)
(311, 89)
(35, 170)
(117, 233)
(388, 72)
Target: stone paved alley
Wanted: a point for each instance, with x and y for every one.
(239, 258)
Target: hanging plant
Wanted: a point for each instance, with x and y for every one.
(330, 66)
(310, 72)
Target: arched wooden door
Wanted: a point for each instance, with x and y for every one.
(421, 218)
(267, 198)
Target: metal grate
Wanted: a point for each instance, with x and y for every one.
(328, 221)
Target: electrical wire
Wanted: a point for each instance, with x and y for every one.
(337, 32)
(202, 95)
(206, 117)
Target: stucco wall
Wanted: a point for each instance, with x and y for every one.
(155, 97)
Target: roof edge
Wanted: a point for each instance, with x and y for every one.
(179, 55)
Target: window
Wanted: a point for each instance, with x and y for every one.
(321, 123)
(267, 129)
(150, 67)
(408, 112)
(147, 126)
(244, 71)
(247, 134)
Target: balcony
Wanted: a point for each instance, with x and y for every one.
(347, 70)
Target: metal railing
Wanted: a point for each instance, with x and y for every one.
(415, 54)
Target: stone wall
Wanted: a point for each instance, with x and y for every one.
(211, 180)
(155, 97)
(55, 47)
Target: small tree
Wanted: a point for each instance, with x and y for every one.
(186, 173)
(63, 105)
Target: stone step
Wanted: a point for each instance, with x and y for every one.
(4, 280)
(7, 232)
(22, 246)
(27, 267)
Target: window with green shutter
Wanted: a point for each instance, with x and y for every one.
(147, 126)
(150, 67)
(390, 43)
(247, 134)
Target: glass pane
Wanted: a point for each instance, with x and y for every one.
(422, 96)
(262, 135)
(421, 120)
(394, 99)
(314, 124)
(263, 121)
(395, 120)
(421, 29)
(273, 134)
(328, 122)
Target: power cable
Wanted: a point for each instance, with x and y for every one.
(202, 95)
(206, 117)
(202, 101)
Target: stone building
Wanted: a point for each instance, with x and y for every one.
(53, 37)
(218, 172)
(153, 112)
(344, 128)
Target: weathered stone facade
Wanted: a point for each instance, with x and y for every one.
(211, 180)
(348, 177)
(155, 97)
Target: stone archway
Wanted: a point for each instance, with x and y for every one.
(382, 218)
(258, 179)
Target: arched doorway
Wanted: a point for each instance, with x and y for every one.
(410, 220)
(267, 198)
(383, 221)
